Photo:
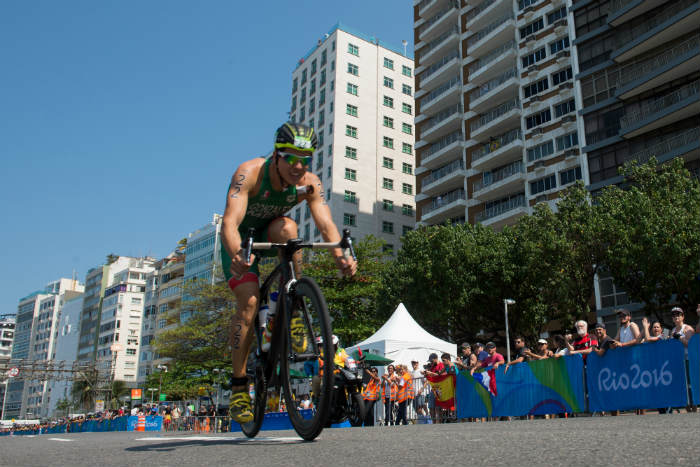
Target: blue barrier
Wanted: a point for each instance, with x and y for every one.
(530, 388)
(152, 423)
(644, 376)
(694, 367)
(274, 421)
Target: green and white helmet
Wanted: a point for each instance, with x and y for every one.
(296, 136)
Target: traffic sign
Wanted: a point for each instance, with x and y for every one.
(162, 397)
(13, 372)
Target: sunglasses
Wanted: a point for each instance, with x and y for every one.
(292, 159)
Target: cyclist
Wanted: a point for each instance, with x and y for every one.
(261, 191)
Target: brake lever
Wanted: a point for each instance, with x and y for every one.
(346, 243)
(248, 248)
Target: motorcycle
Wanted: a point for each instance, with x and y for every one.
(346, 400)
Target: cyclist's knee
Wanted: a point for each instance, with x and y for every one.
(282, 229)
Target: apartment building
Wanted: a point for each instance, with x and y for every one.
(65, 350)
(7, 337)
(638, 76)
(357, 92)
(496, 123)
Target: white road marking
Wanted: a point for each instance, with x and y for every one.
(219, 438)
(59, 439)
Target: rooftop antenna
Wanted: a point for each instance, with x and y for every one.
(405, 43)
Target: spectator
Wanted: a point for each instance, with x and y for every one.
(520, 352)
(434, 368)
(404, 394)
(389, 385)
(481, 354)
(422, 416)
(605, 343)
(628, 333)
(371, 394)
(560, 342)
(584, 343)
(657, 331)
(462, 359)
(450, 367)
(494, 358)
(418, 386)
(541, 352)
(680, 331)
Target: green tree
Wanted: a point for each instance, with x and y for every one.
(352, 301)
(118, 389)
(63, 406)
(652, 232)
(84, 394)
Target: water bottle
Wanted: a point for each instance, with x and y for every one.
(263, 314)
(270, 310)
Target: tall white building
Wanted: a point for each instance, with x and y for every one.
(65, 350)
(7, 336)
(357, 92)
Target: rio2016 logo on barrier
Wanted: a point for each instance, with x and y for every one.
(611, 381)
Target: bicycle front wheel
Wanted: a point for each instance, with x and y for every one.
(306, 320)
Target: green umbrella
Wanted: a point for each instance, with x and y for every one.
(371, 359)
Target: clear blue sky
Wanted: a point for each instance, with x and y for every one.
(121, 122)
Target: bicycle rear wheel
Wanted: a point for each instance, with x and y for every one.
(306, 320)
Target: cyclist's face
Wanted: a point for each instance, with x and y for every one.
(293, 164)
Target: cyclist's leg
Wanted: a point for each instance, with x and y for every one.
(282, 229)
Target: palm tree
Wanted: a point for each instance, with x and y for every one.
(119, 389)
(63, 406)
(84, 394)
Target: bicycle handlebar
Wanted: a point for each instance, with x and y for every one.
(345, 243)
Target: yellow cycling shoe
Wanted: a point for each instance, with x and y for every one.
(240, 409)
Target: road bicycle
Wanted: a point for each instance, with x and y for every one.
(301, 332)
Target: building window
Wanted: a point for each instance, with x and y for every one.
(406, 148)
(567, 141)
(350, 153)
(531, 28)
(312, 86)
(322, 78)
(312, 107)
(562, 76)
(406, 71)
(307, 232)
(540, 151)
(302, 114)
(303, 77)
(570, 176)
(388, 205)
(538, 119)
(294, 103)
(321, 121)
(387, 183)
(351, 131)
(313, 66)
(554, 16)
(307, 212)
(295, 84)
(319, 160)
(388, 102)
(407, 128)
(329, 171)
(534, 57)
(406, 89)
(559, 45)
(388, 248)
(407, 188)
(322, 97)
(407, 210)
(536, 87)
(303, 96)
(349, 219)
(353, 69)
(388, 63)
(388, 142)
(407, 168)
(350, 197)
(353, 49)
(352, 89)
(351, 110)
(543, 184)
(388, 163)
(324, 57)
(388, 82)
(387, 227)
(388, 122)
(564, 108)
(350, 174)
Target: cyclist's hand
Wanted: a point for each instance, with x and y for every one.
(239, 266)
(346, 265)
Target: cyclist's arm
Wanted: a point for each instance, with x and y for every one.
(242, 182)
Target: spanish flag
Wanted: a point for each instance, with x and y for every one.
(444, 389)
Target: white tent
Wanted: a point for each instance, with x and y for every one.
(402, 340)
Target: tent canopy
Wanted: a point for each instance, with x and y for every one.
(402, 339)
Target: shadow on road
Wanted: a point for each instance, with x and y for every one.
(175, 444)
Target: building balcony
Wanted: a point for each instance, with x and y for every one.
(438, 23)
(497, 184)
(506, 212)
(674, 21)
(496, 120)
(495, 62)
(498, 89)
(448, 148)
(504, 148)
(442, 123)
(665, 110)
(624, 10)
(676, 145)
(429, 8)
(679, 60)
(448, 177)
(444, 206)
(486, 12)
(431, 78)
(437, 47)
(447, 92)
(498, 32)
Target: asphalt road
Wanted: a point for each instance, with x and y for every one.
(626, 440)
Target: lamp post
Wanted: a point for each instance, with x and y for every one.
(152, 391)
(506, 302)
(217, 371)
(114, 348)
(4, 398)
(162, 368)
